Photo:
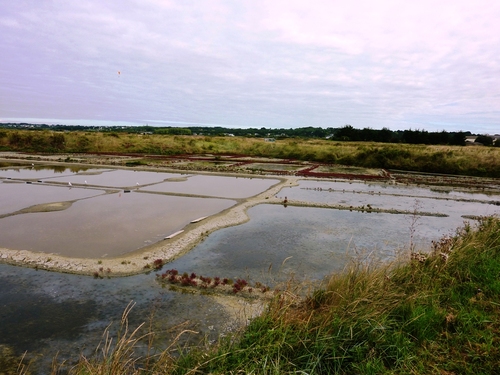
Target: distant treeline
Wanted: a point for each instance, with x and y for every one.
(448, 159)
(346, 133)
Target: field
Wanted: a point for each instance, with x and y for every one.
(459, 160)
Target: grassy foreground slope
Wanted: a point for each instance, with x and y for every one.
(472, 161)
(434, 314)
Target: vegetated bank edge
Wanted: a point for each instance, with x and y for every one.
(439, 313)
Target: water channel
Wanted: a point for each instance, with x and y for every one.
(116, 211)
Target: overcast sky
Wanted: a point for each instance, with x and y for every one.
(400, 64)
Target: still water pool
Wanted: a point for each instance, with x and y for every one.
(309, 243)
(112, 212)
(107, 225)
(405, 198)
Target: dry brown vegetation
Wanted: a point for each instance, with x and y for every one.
(462, 160)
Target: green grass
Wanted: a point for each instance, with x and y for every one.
(438, 314)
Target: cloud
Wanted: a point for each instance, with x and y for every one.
(254, 63)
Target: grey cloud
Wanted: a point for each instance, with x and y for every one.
(230, 66)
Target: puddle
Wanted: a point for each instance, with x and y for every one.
(202, 165)
(274, 167)
(349, 170)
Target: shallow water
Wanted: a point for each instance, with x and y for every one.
(99, 224)
(309, 243)
(273, 167)
(394, 197)
(215, 186)
(393, 189)
(47, 313)
(106, 225)
(15, 196)
(39, 171)
(115, 178)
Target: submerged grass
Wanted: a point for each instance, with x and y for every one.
(433, 314)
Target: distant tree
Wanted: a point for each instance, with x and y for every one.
(485, 140)
(347, 133)
(385, 135)
(416, 136)
(175, 131)
(458, 139)
(318, 132)
(368, 134)
(439, 138)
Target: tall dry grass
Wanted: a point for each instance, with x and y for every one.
(473, 161)
(129, 352)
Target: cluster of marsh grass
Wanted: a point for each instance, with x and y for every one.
(203, 282)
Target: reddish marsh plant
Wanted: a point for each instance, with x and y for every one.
(158, 264)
